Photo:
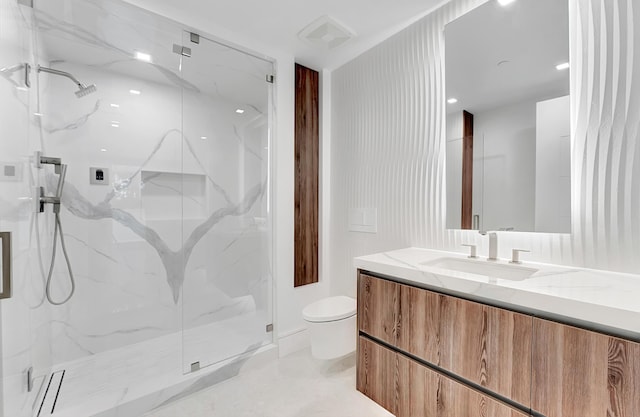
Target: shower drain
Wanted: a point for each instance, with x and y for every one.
(50, 397)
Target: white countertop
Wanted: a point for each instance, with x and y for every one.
(600, 300)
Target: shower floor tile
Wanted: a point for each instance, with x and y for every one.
(293, 386)
(111, 382)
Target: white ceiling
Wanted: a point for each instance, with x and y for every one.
(277, 23)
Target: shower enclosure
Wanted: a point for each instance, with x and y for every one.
(165, 209)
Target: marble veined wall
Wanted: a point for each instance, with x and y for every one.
(178, 235)
(128, 240)
(388, 141)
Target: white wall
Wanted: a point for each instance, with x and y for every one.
(388, 140)
(289, 301)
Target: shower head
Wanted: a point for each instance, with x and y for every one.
(83, 90)
(86, 90)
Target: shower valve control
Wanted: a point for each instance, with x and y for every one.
(43, 199)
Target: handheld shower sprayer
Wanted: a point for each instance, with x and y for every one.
(55, 200)
(63, 174)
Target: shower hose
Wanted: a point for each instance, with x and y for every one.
(58, 227)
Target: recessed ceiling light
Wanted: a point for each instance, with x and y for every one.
(563, 66)
(141, 56)
(452, 100)
(505, 2)
(103, 150)
(115, 125)
(239, 111)
(37, 114)
(203, 137)
(135, 92)
(115, 106)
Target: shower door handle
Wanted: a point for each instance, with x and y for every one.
(5, 242)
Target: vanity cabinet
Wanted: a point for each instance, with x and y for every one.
(427, 354)
(580, 373)
(487, 346)
(407, 388)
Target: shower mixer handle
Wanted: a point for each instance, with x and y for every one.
(61, 170)
(43, 199)
(47, 160)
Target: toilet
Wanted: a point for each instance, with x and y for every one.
(332, 326)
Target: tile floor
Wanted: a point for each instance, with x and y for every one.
(99, 383)
(293, 386)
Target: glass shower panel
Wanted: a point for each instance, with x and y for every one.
(25, 339)
(227, 305)
(122, 229)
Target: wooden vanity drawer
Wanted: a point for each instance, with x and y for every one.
(488, 346)
(378, 313)
(580, 373)
(426, 393)
(407, 388)
(376, 375)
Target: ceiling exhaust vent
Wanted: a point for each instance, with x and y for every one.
(326, 32)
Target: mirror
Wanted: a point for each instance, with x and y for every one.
(508, 149)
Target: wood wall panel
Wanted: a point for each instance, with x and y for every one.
(307, 151)
(378, 308)
(467, 171)
(376, 375)
(579, 373)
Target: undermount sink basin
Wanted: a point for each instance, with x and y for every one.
(482, 267)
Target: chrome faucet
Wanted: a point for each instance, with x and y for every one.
(493, 245)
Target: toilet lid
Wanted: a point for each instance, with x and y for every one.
(330, 309)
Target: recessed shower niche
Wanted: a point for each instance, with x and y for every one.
(163, 193)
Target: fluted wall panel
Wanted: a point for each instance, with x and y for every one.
(388, 142)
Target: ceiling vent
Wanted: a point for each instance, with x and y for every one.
(326, 32)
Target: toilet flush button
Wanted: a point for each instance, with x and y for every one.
(363, 220)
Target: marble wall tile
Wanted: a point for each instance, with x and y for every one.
(152, 251)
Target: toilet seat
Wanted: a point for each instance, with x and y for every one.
(330, 309)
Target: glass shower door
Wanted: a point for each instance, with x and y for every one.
(227, 305)
(25, 340)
